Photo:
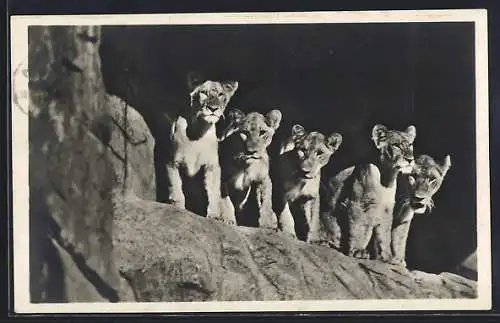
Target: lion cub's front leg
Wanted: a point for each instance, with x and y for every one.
(360, 230)
(398, 243)
(286, 221)
(174, 184)
(267, 217)
(382, 235)
(212, 183)
(311, 212)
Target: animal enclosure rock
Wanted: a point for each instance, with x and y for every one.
(71, 175)
(131, 147)
(168, 254)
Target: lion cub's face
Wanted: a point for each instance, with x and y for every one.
(396, 147)
(253, 132)
(313, 150)
(424, 181)
(210, 98)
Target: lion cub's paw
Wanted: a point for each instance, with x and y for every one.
(269, 226)
(320, 242)
(398, 262)
(289, 234)
(387, 259)
(177, 202)
(218, 218)
(360, 254)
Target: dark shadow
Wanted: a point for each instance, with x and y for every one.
(46, 269)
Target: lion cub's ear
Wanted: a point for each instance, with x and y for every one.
(230, 87)
(234, 117)
(334, 141)
(288, 145)
(274, 118)
(194, 79)
(411, 133)
(445, 166)
(379, 135)
(298, 131)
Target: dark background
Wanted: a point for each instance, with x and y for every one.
(328, 77)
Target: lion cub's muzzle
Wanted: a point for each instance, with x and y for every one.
(249, 155)
(406, 165)
(307, 173)
(210, 113)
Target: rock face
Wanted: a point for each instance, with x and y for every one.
(196, 259)
(80, 145)
(468, 267)
(96, 233)
(131, 149)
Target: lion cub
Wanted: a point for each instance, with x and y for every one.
(417, 189)
(194, 144)
(363, 196)
(298, 171)
(245, 163)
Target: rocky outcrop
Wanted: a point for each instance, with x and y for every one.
(468, 267)
(196, 259)
(96, 233)
(80, 145)
(131, 148)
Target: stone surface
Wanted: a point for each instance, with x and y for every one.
(172, 255)
(131, 148)
(72, 176)
(468, 267)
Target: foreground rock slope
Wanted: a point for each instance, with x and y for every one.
(172, 255)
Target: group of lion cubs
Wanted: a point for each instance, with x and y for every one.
(359, 207)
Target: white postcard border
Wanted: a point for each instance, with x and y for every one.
(20, 159)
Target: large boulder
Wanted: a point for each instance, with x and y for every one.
(72, 170)
(468, 267)
(131, 149)
(168, 254)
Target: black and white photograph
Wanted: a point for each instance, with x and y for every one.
(315, 161)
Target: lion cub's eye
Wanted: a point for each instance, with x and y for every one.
(300, 152)
(262, 132)
(433, 181)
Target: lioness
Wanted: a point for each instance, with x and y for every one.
(245, 163)
(194, 144)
